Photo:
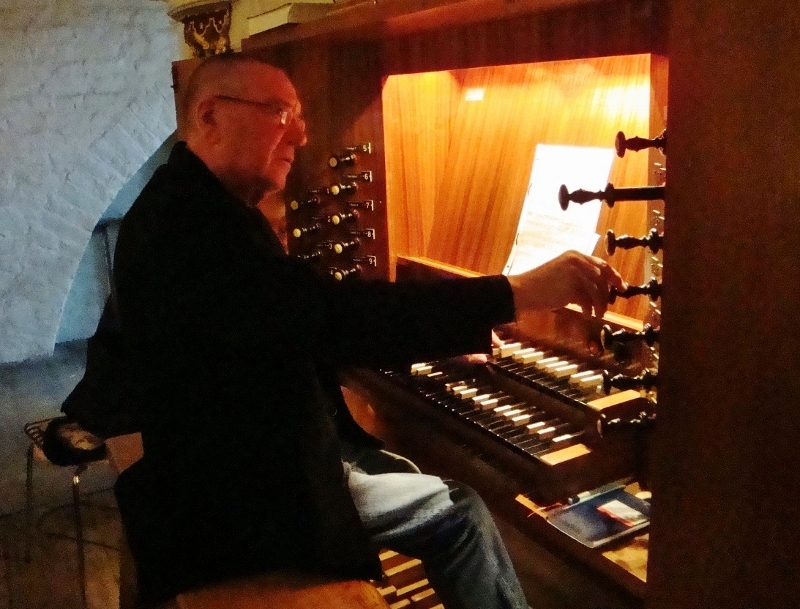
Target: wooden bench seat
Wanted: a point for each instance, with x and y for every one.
(278, 590)
(283, 590)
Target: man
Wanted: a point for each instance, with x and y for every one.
(251, 459)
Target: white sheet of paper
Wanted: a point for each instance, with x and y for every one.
(545, 230)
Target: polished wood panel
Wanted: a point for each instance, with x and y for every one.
(470, 161)
(443, 34)
(417, 111)
(726, 514)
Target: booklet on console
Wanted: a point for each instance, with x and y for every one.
(601, 517)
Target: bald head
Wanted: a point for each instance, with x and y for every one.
(241, 116)
(226, 74)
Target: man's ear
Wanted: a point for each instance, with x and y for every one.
(205, 114)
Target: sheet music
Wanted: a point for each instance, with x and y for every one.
(545, 230)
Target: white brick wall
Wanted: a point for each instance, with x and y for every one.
(85, 99)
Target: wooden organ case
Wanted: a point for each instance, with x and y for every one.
(445, 192)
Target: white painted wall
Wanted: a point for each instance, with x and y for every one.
(85, 100)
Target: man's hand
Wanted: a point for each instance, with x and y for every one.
(573, 278)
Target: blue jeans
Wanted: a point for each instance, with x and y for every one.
(444, 524)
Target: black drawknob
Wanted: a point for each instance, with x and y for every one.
(610, 195)
(647, 380)
(301, 231)
(342, 274)
(621, 143)
(643, 421)
(653, 240)
(304, 201)
(609, 338)
(342, 189)
(341, 218)
(652, 289)
(343, 246)
(342, 159)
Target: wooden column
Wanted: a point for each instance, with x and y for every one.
(726, 505)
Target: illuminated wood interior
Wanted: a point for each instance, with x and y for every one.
(457, 171)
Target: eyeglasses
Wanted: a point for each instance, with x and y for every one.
(285, 116)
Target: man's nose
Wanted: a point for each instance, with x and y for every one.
(297, 132)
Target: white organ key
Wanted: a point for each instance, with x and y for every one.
(546, 433)
(565, 370)
(509, 348)
(543, 363)
(591, 381)
(529, 358)
(482, 397)
(503, 409)
(520, 419)
(519, 353)
(576, 378)
(456, 387)
(489, 404)
(549, 368)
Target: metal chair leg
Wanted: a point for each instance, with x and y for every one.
(29, 503)
(76, 500)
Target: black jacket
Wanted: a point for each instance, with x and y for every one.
(233, 348)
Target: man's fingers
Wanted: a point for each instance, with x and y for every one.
(592, 292)
(596, 277)
(609, 274)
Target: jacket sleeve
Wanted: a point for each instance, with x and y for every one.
(203, 278)
(382, 323)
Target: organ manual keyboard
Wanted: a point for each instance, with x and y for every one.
(545, 408)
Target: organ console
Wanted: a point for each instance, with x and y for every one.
(546, 417)
(414, 74)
